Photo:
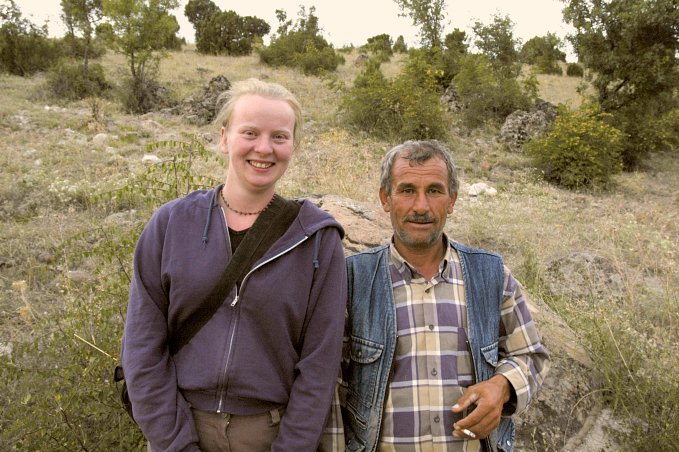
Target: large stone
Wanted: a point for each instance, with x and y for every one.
(203, 108)
(566, 406)
(522, 126)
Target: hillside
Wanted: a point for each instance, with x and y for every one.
(605, 262)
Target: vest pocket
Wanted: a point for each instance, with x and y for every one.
(490, 353)
(363, 377)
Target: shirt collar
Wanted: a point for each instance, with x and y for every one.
(408, 272)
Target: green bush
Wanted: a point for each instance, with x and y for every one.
(75, 47)
(143, 93)
(400, 45)
(70, 81)
(580, 151)
(645, 122)
(545, 66)
(380, 44)
(301, 46)
(24, 48)
(574, 70)
(406, 108)
(488, 96)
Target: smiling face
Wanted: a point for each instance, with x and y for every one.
(259, 143)
(418, 204)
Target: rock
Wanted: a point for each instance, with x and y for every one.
(566, 404)
(99, 139)
(522, 126)
(451, 99)
(481, 188)
(360, 60)
(203, 108)
(79, 276)
(364, 225)
(6, 349)
(583, 274)
(150, 159)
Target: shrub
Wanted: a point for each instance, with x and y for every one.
(70, 81)
(574, 70)
(223, 32)
(301, 46)
(24, 48)
(400, 45)
(76, 47)
(488, 96)
(644, 123)
(380, 44)
(580, 151)
(407, 107)
(545, 66)
(142, 94)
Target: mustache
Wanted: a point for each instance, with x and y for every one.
(424, 218)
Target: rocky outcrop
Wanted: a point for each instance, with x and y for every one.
(203, 108)
(567, 406)
(521, 126)
(450, 99)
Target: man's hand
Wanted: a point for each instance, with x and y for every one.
(489, 397)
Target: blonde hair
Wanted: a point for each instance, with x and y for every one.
(256, 87)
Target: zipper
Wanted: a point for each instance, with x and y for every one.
(235, 319)
(235, 300)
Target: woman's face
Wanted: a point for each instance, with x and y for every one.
(258, 142)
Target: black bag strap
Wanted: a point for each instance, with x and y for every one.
(270, 225)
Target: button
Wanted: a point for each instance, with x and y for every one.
(431, 327)
(436, 419)
(359, 353)
(434, 372)
(509, 443)
(427, 289)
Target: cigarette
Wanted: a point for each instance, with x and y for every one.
(469, 433)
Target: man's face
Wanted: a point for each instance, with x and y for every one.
(419, 203)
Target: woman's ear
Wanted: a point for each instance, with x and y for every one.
(223, 145)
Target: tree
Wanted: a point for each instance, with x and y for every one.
(400, 45)
(428, 15)
(24, 47)
(497, 42)
(223, 32)
(140, 31)
(300, 45)
(81, 17)
(380, 44)
(456, 42)
(544, 52)
(631, 47)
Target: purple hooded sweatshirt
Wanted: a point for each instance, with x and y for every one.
(278, 345)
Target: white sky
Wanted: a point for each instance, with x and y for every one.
(347, 22)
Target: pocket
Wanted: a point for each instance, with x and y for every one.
(490, 353)
(363, 377)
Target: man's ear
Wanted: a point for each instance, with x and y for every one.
(451, 204)
(384, 199)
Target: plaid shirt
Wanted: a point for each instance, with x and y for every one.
(432, 364)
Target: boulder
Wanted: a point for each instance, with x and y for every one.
(522, 126)
(450, 99)
(203, 108)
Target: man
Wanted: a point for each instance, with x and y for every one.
(441, 348)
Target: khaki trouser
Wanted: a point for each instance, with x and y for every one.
(223, 432)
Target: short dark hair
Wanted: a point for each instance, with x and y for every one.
(418, 152)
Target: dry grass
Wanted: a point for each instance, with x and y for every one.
(50, 164)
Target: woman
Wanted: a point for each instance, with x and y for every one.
(260, 373)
